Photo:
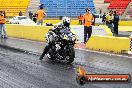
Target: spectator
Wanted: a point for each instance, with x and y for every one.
(104, 18)
(109, 21)
(115, 22)
(100, 11)
(87, 22)
(80, 19)
(35, 18)
(40, 16)
(2, 22)
(20, 13)
(30, 15)
(94, 19)
(4, 27)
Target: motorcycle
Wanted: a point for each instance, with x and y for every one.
(61, 47)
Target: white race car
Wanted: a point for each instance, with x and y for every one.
(21, 20)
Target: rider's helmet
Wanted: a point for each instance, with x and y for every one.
(66, 21)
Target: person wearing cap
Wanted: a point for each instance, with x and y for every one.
(87, 21)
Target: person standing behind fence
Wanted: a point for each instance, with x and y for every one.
(104, 18)
(34, 18)
(109, 21)
(115, 22)
(80, 19)
(94, 19)
(20, 13)
(30, 15)
(40, 16)
(2, 22)
(87, 21)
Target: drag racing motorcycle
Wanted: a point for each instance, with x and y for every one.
(61, 48)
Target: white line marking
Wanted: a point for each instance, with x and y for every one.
(99, 52)
(106, 53)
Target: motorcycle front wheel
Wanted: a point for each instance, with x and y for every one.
(71, 55)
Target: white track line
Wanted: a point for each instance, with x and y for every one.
(99, 52)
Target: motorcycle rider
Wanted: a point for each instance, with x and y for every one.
(57, 30)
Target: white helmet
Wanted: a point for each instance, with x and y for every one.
(66, 21)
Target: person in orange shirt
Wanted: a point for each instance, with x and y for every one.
(87, 21)
(2, 24)
(4, 27)
(40, 16)
(80, 17)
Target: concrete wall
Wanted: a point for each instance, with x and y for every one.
(101, 43)
(108, 44)
(27, 32)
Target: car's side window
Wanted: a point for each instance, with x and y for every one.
(96, 16)
(19, 18)
(15, 18)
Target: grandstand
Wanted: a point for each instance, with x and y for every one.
(129, 12)
(119, 5)
(100, 5)
(33, 6)
(13, 7)
(71, 8)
